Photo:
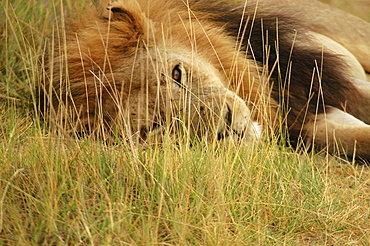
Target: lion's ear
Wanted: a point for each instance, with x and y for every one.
(129, 16)
(121, 14)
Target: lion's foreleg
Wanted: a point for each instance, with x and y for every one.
(340, 133)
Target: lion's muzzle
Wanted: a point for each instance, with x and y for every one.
(216, 113)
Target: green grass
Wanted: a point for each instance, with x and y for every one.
(57, 190)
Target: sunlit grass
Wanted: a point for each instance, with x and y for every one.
(58, 190)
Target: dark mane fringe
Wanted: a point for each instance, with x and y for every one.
(301, 75)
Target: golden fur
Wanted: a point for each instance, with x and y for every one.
(148, 66)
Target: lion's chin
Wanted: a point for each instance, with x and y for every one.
(252, 134)
(158, 134)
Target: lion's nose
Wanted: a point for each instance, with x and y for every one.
(238, 118)
(233, 125)
(227, 118)
(228, 115)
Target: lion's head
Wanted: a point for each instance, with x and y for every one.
(142, 70)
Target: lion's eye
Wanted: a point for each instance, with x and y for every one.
(176, 74)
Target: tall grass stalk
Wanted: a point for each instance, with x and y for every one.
(58, 190)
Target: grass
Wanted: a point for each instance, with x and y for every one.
(361, 8)
(56, 190)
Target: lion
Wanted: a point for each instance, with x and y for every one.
(214, 69)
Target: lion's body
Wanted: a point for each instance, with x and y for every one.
(216, 67)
